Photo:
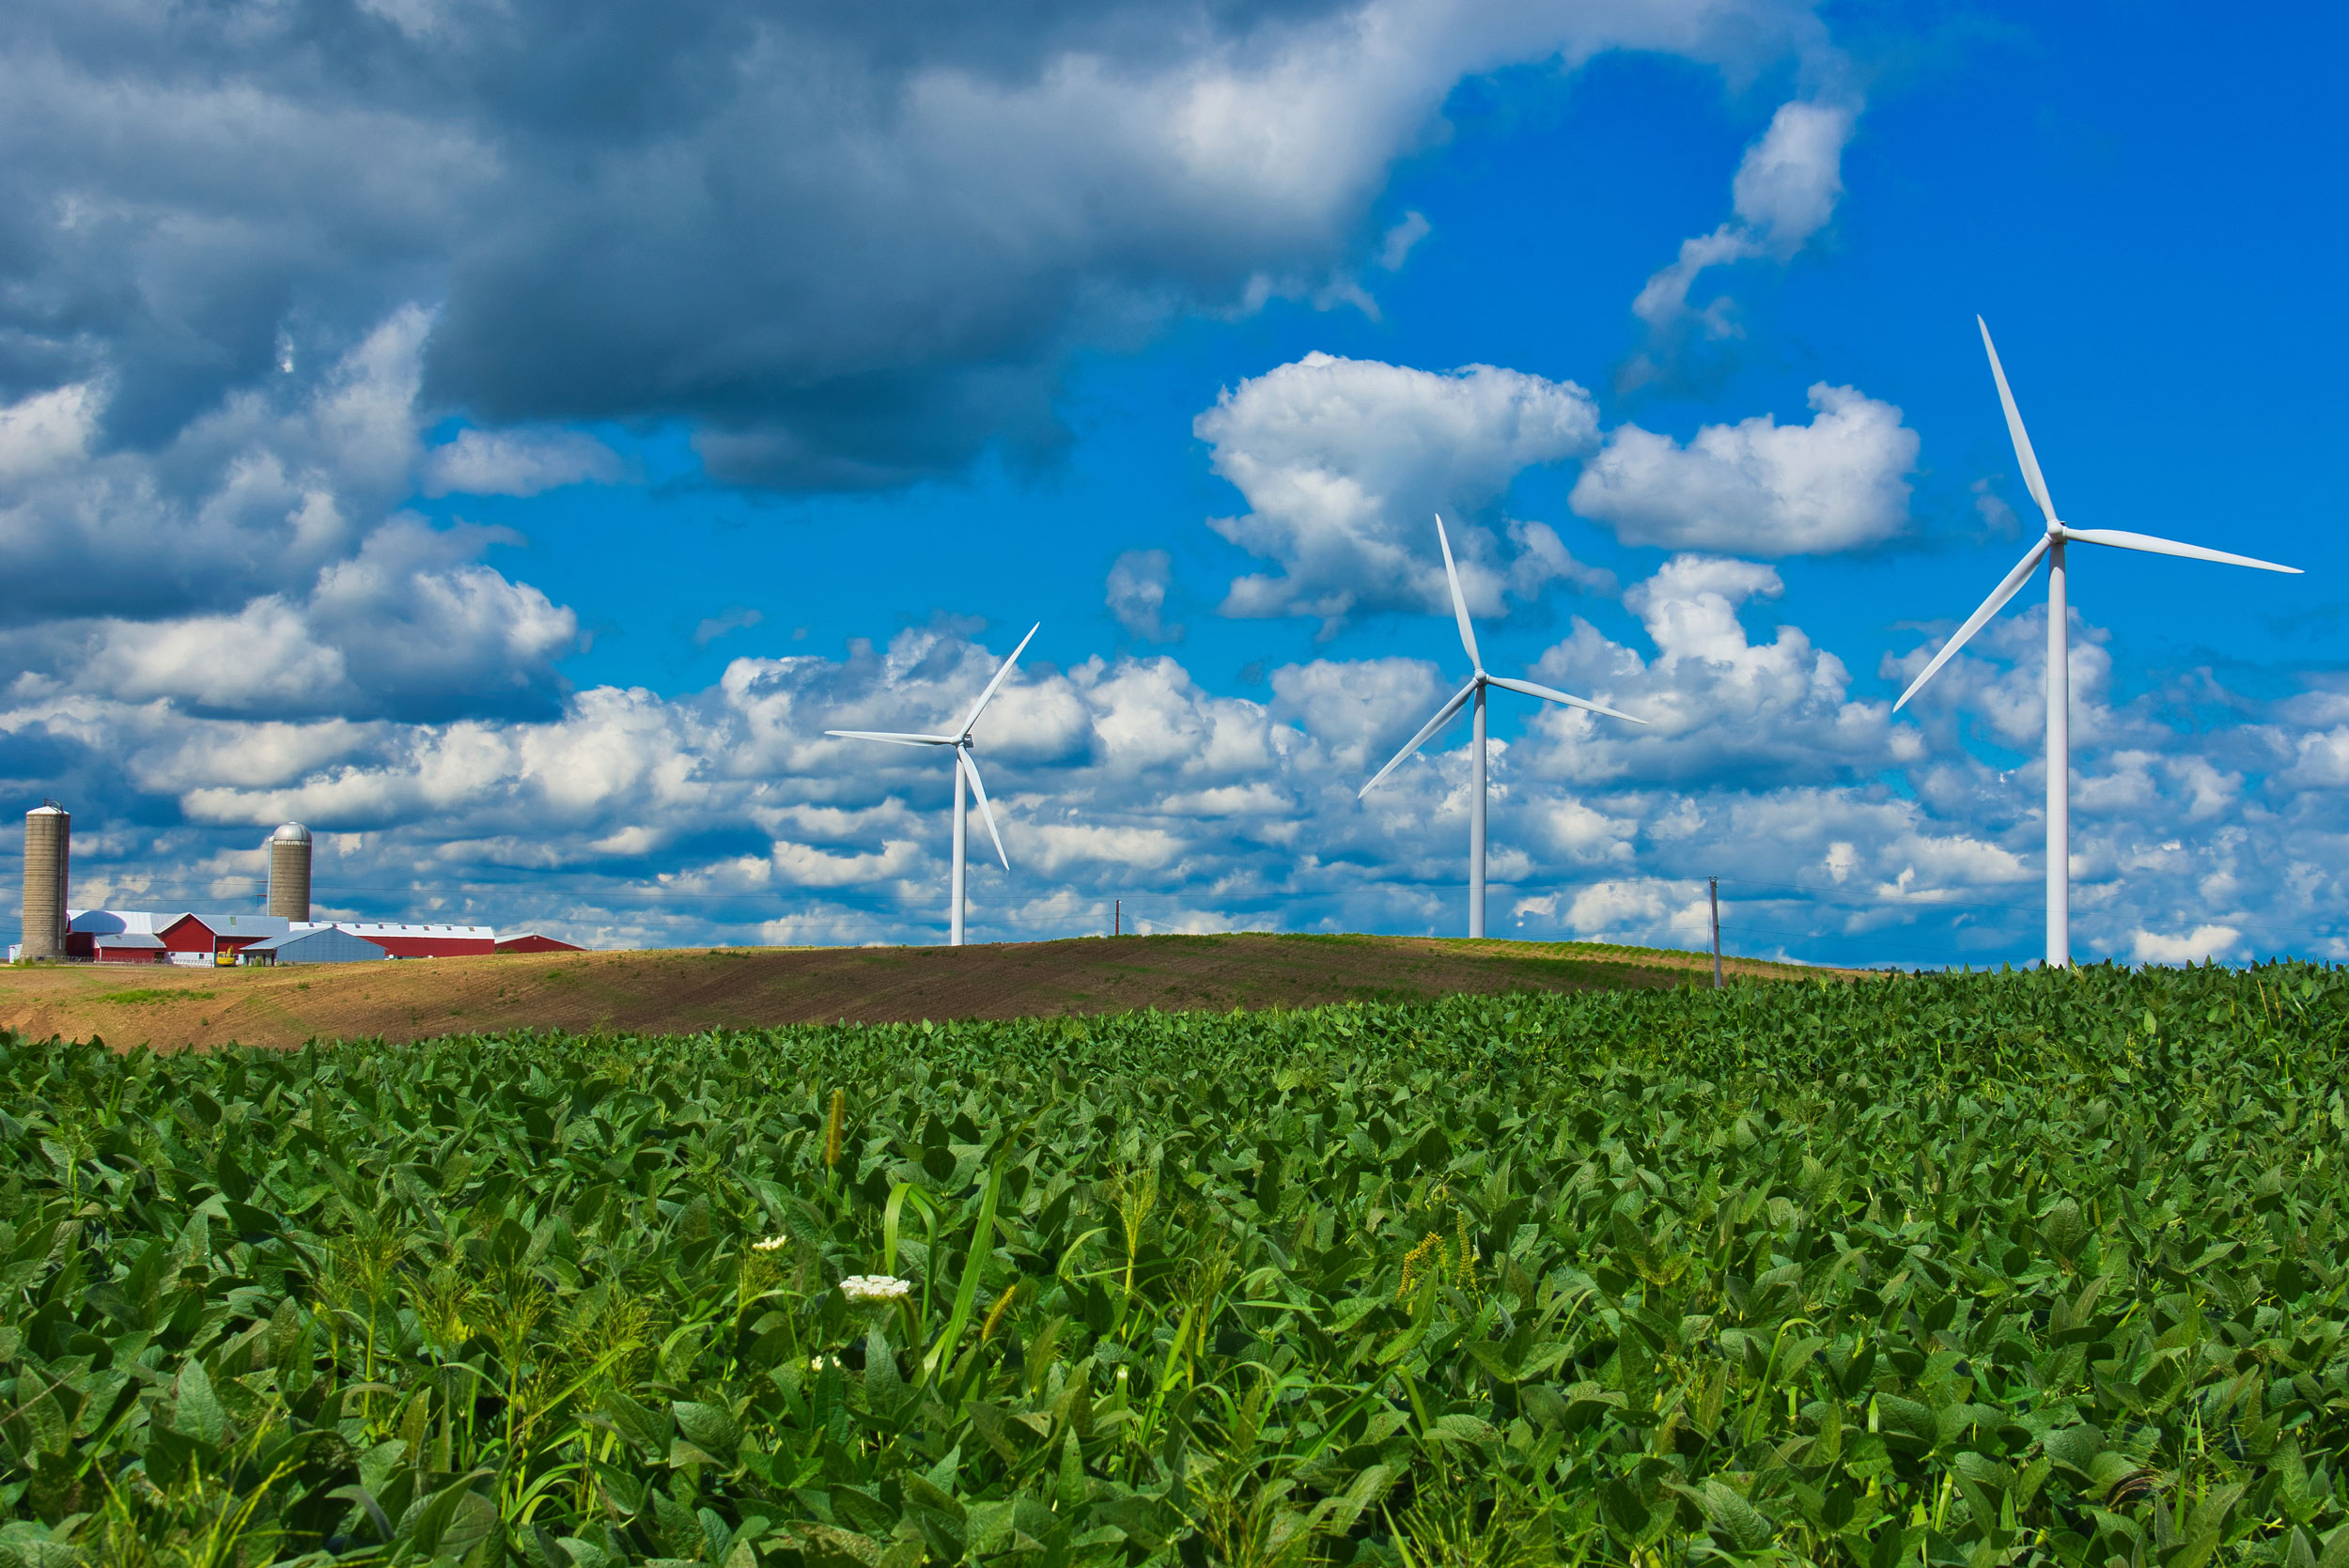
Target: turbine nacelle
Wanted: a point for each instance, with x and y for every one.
(2058, 534)
(2051, 545)
(1479, 677)
(966, 768)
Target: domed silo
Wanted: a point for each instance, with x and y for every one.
(290, 871)
(48, 845)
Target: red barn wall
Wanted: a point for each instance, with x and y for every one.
(430, 947)
(536, 944)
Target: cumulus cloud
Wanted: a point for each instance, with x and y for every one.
(1137, 594)
(516, 462)
(252, 565)
(726, 814)
(2203, 945)
(1789, 181)
(1757, 487)
(849, 248)
(1785, 191)
(1346, 463)
(256, 494)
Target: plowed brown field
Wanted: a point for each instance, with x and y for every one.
(683, 990)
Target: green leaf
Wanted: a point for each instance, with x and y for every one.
(456, 1518)
(1734, 1516)
(197, 1409)
(640, 1428)
(2063, 1229)
(1461, 1428)
(709, 1428)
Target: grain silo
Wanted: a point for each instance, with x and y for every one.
(290, 871)
(48, 844)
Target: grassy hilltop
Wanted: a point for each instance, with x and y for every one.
(1961, 1269)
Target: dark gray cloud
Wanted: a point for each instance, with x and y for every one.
(848, 244)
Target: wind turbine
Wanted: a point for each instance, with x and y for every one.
(1476, 690)
(966, 768)
(2050, 545)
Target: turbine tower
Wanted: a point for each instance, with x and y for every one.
(2050, 545)
(966, 769)
(1474, 690)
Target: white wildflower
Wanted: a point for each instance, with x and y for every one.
(772, 1244)
(875, 1290)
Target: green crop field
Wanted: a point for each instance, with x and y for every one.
(1968, 1269)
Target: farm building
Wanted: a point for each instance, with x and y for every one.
(86, 928)
(233, 934)
(425, 941)
(533, 942)
(316, 944)
(179, 938)
(205, 940)
(124, 947)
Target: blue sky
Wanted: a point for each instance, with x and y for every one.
(513, 483)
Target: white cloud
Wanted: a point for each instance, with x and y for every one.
(1397, 247)
(1785, 191)
(1361, 709)
(1717, 703)
(734, 619)
(519, 462)
(725, 814)
(262, 657)
(1137, 594)
(1344, 464)
(1789, 181)
(1759, 488)
(46, 432)
(2201, 945)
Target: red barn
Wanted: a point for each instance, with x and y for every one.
(218, 938)
(531, 941)
(425, 941)
(188, 934)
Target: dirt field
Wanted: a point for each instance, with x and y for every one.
(686, 989)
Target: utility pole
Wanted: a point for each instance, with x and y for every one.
(1713, 888)
(1117, 917)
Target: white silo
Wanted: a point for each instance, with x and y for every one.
(290, 871)
(48, 847)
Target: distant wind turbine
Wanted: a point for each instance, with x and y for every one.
(1474, 689)
(966, 766)
(2051, 545)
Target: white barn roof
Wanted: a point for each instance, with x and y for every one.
(386, 928)
(146, 923)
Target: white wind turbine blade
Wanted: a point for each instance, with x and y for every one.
(1998, 595)
(987, 695)
(2122, 539)
(971, 768)
(1459, 605)
(2023, 453)
(1547, 694)
(894, 739)
(1444, 717)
